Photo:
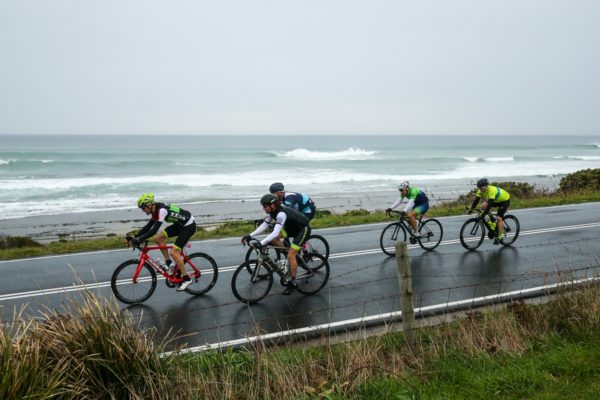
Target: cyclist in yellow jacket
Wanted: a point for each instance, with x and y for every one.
(493, 196)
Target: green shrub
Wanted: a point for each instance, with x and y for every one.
(586, 180)
(13, 242)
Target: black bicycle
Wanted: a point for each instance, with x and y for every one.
(429, 235)
(253, 279)
(474, 230)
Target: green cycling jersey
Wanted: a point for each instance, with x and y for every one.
(494, 193)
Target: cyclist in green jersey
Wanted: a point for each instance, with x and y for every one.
(183, 226)
(492, 196)
(417, 205)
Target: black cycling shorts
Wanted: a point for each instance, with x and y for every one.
(502, 207)
(183, 233)
(300, 238)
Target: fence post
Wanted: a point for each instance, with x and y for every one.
(406, 292)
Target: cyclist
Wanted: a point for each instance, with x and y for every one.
(493, 196)
(417, 205)
(285, 222)
(183, 226)
(297, 201)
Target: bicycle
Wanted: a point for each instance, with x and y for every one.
(135, 280)
(473, 231)
(253, 279)
(430, 233)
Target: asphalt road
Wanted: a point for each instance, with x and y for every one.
(554, 243)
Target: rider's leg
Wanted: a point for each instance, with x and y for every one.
(502, 208)
(175, 253)
(161, 240)
(292, 261)
(412, 220)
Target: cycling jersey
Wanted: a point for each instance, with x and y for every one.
(166, 213)
(300, 202)
(416, 198)
(286, 221)
(493, 193)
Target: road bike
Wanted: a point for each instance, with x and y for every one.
(474, 230)
(429, 235)
(135, 280)
(253, 279)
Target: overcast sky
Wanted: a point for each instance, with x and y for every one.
(300, 67)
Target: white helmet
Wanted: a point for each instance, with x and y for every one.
(403, 185)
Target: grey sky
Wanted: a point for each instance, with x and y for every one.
(300, 67)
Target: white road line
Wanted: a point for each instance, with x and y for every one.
(43, 292)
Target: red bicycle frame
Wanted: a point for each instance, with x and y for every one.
(145, 258)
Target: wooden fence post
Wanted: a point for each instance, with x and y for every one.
(406, 292)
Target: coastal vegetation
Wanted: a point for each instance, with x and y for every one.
(92, 349)
(578, 187)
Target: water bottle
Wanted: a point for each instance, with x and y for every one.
(160, 264)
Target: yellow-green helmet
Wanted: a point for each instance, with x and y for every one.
(145, 199)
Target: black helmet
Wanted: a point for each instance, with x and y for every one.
(276, 187)
(269, 199)
(482, 183)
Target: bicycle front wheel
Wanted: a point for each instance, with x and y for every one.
(431, 232)
(252, 281)
(317, 244)
(128, 291)
(511, 230)
(205, 273)
(312, 274)
(391, 234)
(472, 233)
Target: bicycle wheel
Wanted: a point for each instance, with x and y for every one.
(128, 291)
(317, 244)
(391, 234)
(205, 273)
(433, 231)
(512, 227)
(311, 279)
(472, 233)
(251, 283)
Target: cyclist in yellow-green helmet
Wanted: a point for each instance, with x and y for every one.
(183, 226)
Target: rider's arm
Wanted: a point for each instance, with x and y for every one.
(281, 217)
(475, 202)
(153, 226)
(261, 228)
(397, 203)
(409, 206)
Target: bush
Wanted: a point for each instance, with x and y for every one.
(12, 242)
(587, 179)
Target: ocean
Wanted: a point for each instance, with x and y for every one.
(54, 175)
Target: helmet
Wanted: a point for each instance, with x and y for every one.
(269, 199)
(482, 183)
(403, 185)
(146, 198)
(276, 187)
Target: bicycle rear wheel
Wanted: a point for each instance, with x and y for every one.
(128, 291)
(251, 281)
(512, 227)
(472, 233)
(317, 244)
(391, 234)
(433, 231)
(205, 273)
(312, 274)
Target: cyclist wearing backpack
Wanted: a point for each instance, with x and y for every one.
(493, 196)
(417, 205)
(183, 226)
(285, 222)
(297, 201)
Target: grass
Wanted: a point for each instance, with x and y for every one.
(323, 220)
(92, 349)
